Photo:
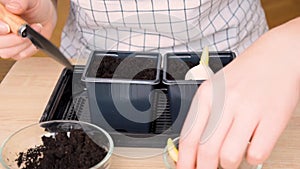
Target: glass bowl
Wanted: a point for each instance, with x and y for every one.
(30, 137)
(170, 164)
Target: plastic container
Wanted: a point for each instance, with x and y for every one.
(180, 91)
(170, 164)
(30, 137)
(121, 102)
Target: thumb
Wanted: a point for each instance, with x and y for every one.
(37, 27)
(4, 28)
(19, 6)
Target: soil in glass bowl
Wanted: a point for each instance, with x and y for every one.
(68, 150)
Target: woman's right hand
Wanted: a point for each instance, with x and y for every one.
(40, 14)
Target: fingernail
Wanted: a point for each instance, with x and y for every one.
(4, 28)
(37, 27)
(14, 6)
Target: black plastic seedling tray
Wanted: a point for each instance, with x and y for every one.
(69, 101)
(170, 100)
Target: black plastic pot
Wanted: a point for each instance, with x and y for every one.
(180, 91)
(122, 103)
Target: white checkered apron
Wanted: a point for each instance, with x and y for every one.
(161, 25)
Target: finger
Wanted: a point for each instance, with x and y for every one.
(4, 28)
(13, 51)
(10, 40)
(208, 151)
(37, 27)
(264, 139)
(20, 6)
(193, 127)
(31, 50)
(237, 139)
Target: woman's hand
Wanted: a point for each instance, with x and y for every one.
(41, 14)
(252, 99)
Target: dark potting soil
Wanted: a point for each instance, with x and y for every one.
(136, 68)
(77, 150)
(177, 69)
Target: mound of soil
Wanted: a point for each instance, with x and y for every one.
(64, 150)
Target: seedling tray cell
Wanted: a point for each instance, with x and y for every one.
(120, 86)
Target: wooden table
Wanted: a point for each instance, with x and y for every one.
(27, 87)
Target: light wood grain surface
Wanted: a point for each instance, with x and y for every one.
(27, 87)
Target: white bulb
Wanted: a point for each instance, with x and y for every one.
(199, 72)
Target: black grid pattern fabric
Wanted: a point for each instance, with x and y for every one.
(162, 25)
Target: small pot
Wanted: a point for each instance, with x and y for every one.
(121, 102)
(181, 91)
